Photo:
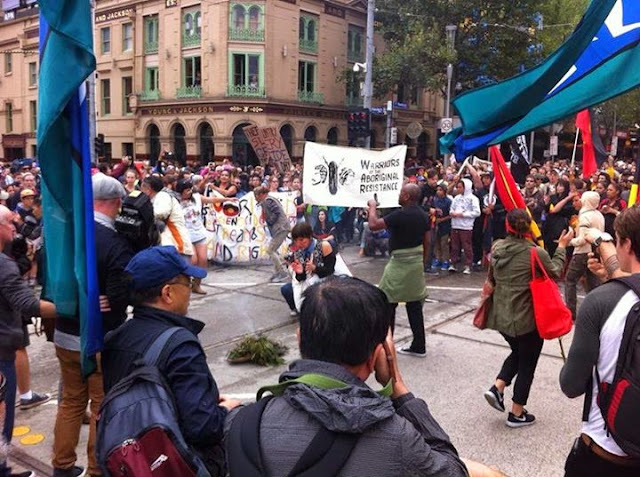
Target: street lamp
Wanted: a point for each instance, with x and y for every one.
(451, 43)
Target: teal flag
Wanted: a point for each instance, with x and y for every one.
(597, 62)
(66, 60)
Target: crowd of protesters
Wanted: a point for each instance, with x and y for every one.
(464, 217)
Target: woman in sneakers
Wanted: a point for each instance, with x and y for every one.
(512, 312)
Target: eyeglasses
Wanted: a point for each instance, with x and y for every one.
(189, 284)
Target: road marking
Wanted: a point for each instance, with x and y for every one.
(21, 431)
(32, 439)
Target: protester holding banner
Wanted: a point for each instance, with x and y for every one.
(225, 187)
(403, 279)
(279, 227)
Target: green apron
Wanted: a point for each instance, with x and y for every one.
(403, 277)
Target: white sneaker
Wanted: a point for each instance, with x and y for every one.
(466, 271)
(452, 268)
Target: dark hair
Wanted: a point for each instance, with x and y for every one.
(146, 295)
(154, 182)
(182, 185)
(565, 184)
(342, 320)
(431, 173)
(617, 186)
(301, 230)
(519, 222)
(627, 226)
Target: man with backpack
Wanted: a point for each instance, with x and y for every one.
(324, 418)
(604, 364)
(160, 282)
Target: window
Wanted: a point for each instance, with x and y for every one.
(108, 154)
(354, 44)
(246, 22)
(151, 79)
(8, 65)
(127, 89)
(127, 149)
(246, 75)
(9, 112)
(307, 34)
(191, 78)
(105, 40)
(33, 74)
(33, 115)
(105, 96)
(307, 83)
(127, 36)
(151, 34)
(191, 28)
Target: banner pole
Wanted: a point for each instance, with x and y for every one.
(575, 146)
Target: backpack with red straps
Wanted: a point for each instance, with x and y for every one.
(619, 400)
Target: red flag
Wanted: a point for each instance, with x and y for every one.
(508, 191)
(589, 165)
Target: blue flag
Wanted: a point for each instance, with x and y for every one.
(66, 60)
(597, 62)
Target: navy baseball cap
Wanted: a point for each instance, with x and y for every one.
(157, 265)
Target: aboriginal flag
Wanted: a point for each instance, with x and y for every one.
(66, 60)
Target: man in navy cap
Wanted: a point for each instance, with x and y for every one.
(160, 282)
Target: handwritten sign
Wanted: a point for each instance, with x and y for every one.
(349, 176)
(240, 235)
(269, 147)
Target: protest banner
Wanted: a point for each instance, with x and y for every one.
(269, 147)
(239, 233)
(349, 177)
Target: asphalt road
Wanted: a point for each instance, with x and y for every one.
(461, 364)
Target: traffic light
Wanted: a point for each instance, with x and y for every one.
(99, 145)
(359, 123)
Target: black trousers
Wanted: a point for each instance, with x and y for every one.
(525, 351)
(582, 462)
(416, 321)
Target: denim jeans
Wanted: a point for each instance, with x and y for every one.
(287, 293)
(8, 369)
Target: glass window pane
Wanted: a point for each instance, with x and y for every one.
(301, 28)
(311, 31)
(301, 76)
(310, 77)
(238, 16)
(238, 70)
(254, 18)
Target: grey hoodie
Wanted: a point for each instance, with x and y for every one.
(398, 438)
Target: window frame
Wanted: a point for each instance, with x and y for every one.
(260, 89)
(105, 100)
(305, 66)
(8, 109)
(8, 63)
(151, 24)
(244, 30)
(126, 39)
(33, 115)
(105, 44)
(149, 73)
(193, 38)
(191, 59)
(33, 74)
(354, 32)
(305, 43)
(126, 108)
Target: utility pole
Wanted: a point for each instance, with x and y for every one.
(368, 78)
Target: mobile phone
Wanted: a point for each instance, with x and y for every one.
(594, 250)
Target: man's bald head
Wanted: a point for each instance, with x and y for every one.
(410, 194)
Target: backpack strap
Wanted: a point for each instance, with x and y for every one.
(158, 349)
(244, 454)
(325, 455)
(317, 381)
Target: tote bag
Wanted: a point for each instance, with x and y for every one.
(553, 318)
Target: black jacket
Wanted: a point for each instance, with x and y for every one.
(113, 253)
(185, 369)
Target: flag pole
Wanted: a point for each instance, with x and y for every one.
(575, 146)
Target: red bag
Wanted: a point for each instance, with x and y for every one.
(553, 318)
(486, 302)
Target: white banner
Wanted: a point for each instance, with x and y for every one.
(240, 234)
(349, 177)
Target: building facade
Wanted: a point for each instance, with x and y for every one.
(185, 76)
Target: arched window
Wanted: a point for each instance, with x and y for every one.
(205, 141)
(153, 139)
(332, 136)
(254, 18)
(188, 24)
(310, 134)
(238, 16)
(286, 132)
(242, 151)
(197, 20)
(179, 144)
(301, 28)
(311, 30)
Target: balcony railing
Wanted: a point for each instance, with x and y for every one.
(246, 34)
(192, 39)
(310, 97)
(308, 45)
(353, 102)
(150, 47)
(151, 95)
(189, 92)
(242, 91)
(355, 56)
